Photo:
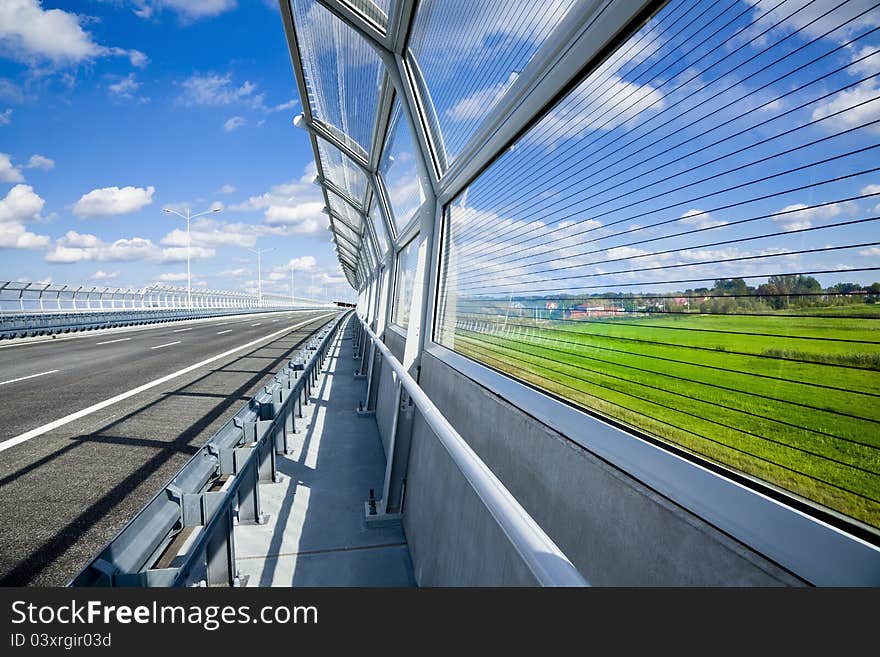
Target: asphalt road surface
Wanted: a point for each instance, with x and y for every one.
(91, 427)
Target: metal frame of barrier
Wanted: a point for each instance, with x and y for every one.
(26, 297)
(184, 535)
(547, 563)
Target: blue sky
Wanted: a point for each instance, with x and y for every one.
(111, 110)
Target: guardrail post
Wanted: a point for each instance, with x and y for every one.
(390, 507)
(282, 408)
(260, 435)
(373, 373)
(250, 511)
(220, 553)
(366, 350)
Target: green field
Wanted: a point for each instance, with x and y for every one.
(790, 400)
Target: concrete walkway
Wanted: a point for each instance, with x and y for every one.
(316, 534)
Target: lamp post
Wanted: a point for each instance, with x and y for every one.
(260, 253)
(188, 217)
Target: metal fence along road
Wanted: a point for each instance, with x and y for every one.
(31, 297)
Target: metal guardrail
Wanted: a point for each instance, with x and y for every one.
(184, 536)
(541, 555)
(32, 297)
(31, 325)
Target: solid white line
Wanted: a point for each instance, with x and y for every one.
(226, 331)
(167, 344)
(67, 419)
(32, 376)
(181, 330)
(97, 344)
(257, 324)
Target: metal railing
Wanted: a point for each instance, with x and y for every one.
(31, 325)
(547, 563)
(31, 309)
(184, 536)
(32, 297)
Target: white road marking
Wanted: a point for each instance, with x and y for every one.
(22, 378)
(98, 344)
(275, 320)
(182, 330)
(167, 344)
(226, 331)
(67, 419)
(257, 324)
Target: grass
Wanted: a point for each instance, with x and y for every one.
(790, 400)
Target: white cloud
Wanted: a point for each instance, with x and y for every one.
(480, 102)
(31, 34)
(21, 205)
(102, 275)
(290, 104)
(8, 172)
(6, 117)
(126, 88)
(304, 263)
(172, 277)
(589, 108)
(700, 219)
(80, 247)
(179, 254)
(813, 20)
(233, 123)
(800, 216)
(866, 96)
(110, 201)
(295, 206)
(187, 10)
(10, 91)
(309, 278)
(212, 90)
(209, 233)
(870, 251)
(236, 273)
(870, 64)
(226, 189)
(42, 162)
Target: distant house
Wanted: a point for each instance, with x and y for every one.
(584, 311)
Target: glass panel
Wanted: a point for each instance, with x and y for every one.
(375, 10)
(344, 231)
(470, 52)
(688, 244)
(398, 170)
(343, 209)
(341, 171)
(379, 228)
(336, 58)
(407, 260)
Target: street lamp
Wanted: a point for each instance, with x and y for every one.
(260, 253)
(188, 217)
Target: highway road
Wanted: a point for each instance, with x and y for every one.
(92, 426)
